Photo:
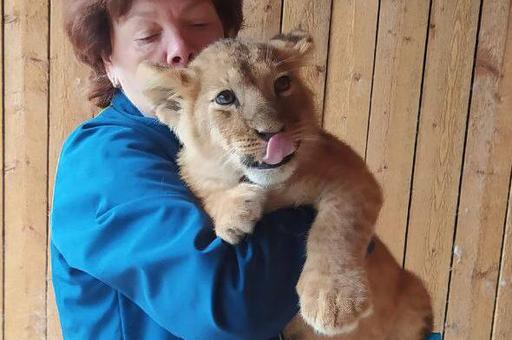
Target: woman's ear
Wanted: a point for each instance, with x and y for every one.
(166, 89)
(111, 73)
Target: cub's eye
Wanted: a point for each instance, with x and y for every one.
(282, 84)
(226, 97)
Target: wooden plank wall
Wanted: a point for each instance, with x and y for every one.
(421, 88)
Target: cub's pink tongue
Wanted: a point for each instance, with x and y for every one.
(279, 146)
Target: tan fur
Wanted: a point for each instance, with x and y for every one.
(402, 309)
(339, 286)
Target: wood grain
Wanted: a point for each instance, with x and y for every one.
(262, 19)
(502, 325)
(483, 199)
(444, 108)
(394, 115)
(350, 70)
(2, 212)
(26, 151)
(503, 312)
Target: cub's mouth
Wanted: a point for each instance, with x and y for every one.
(280, 149)
(250, 163)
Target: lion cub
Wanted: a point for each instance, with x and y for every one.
(251, 144)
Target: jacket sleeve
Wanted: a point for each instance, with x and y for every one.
(121, 214)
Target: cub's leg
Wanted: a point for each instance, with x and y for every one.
(333, 287)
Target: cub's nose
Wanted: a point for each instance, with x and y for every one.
(267, 135)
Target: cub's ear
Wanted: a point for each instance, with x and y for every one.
(166, 90)
(295, 42)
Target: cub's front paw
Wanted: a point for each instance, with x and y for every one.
(241, 209)
(333, 305)
(233, 234)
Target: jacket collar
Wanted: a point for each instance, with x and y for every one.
(120, 103)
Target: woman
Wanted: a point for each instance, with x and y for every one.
(133, 254)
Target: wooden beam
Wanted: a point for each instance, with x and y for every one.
(444, 108)
(394, 116)
(484, 190)
(26, 150)
(350, 71)
(502, 325)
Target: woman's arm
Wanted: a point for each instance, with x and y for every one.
(122, 215)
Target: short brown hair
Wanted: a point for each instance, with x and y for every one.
(88, 24)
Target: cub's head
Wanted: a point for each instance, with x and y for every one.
(243, 104)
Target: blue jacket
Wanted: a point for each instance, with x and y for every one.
(134, 256)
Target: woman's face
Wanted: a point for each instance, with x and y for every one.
(164, 32)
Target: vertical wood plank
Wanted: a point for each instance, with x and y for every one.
(502, 328)
(502, 325)
(350, 70)
(26, 103)
(68, 108)
(395, 103)
(262, 19)
(444, 107)
(313, 16)
(2, 133)
(484, 190)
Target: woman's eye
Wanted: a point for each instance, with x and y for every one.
(226, 97)
(282, 84)
(200, 24)
(149, 37)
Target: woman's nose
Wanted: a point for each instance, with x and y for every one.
(180, 59)
(179, 51)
